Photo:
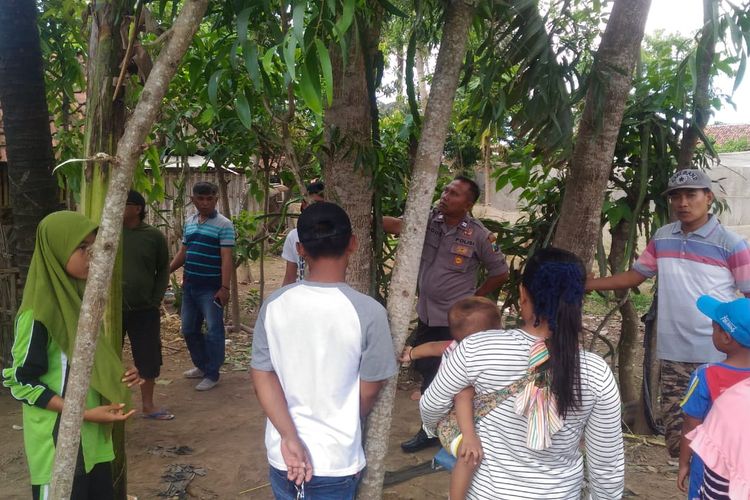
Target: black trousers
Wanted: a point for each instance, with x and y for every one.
(96, 485)
(428, 367)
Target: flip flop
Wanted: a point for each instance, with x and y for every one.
(158, 415)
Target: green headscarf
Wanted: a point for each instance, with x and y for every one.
(55, 298)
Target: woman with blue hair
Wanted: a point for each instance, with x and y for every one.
(550, 395)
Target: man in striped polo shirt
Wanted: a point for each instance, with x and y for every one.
(692, 256)
(206, 253)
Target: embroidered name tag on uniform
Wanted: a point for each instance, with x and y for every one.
(462, 250)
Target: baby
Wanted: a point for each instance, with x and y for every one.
(466, 317)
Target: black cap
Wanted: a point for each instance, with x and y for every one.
(135, 198)
(323, 220)
(316, 187)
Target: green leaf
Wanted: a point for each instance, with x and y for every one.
(207, 116)
(736, 32)
(213, 87)
(346, 18)
(268, 60)
(152, 157)
(392, 9)
(233, 59)
(243, 111)
(250, 51)
(740, 73)
(242, 20)
(692, 71)
(195, 71)
(290, 51)
(298, 20)
(309, 86)
(618, 211)
(325, 65)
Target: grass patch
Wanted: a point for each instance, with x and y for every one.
(599, 305)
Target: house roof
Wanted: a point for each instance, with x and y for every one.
(196, 162)
(729, 132)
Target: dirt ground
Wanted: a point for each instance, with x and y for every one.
(224, 430)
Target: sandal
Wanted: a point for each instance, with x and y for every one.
(158, 415)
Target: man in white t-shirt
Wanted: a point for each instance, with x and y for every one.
(295, 265)
(321, 354)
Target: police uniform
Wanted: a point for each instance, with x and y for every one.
(447, 273)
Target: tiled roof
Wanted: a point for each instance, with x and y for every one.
(724, 133)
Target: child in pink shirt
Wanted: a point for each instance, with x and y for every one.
(722, 441)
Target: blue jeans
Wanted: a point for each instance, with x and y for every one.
(319, 488)
(206, 351)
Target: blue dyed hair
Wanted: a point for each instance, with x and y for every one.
(552, 284)
(554, 280)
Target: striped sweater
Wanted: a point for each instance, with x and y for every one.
(491, 360)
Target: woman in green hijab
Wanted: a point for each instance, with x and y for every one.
(46, 327)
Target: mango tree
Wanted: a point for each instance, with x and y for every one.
(458, 18)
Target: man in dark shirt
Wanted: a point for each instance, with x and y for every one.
(144, 279)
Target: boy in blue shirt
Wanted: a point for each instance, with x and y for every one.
(731, 335)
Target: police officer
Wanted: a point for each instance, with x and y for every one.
(455, 246)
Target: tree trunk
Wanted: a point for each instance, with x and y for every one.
(701, 111)
(104, 125)
(32, 186)
(402, 292)
(610, 82)
(349, 135)
(399, 83)
(234, 299)
(421, 67)
(487, 167)
(107, 241)
(629, 350)
(264, 229)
